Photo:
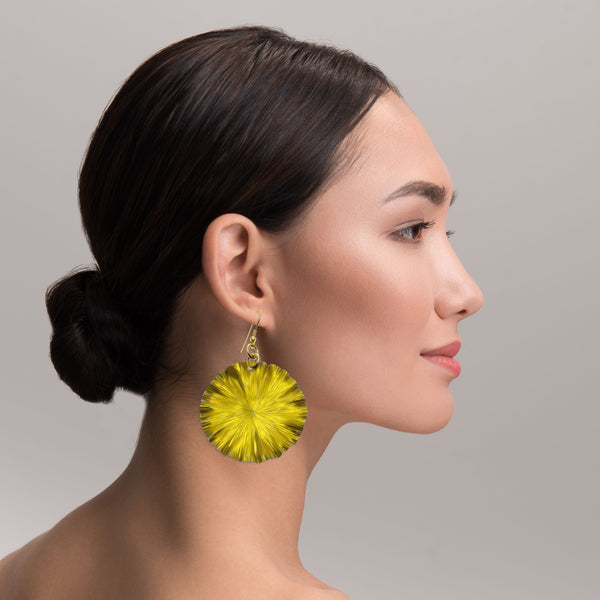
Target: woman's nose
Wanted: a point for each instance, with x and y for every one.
(457, 292)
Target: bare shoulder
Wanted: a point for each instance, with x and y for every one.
(8, 570)
(17, 577)
(52, 565)
(84, 557)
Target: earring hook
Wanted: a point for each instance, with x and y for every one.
(249, 330)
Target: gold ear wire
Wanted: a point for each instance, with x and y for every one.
(251, 349)
(249, 330)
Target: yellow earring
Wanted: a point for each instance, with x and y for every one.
(253, 411)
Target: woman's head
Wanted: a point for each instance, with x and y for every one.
(357, 291)
(244, 121)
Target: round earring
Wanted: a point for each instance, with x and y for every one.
(253, 411)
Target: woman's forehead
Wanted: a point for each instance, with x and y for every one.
(390, 147)
(391, 128)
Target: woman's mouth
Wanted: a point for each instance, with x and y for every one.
(449, 363)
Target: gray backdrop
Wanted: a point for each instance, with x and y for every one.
(502, 503)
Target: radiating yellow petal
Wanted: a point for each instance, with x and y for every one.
(253, 415)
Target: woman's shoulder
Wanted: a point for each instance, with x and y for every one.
(22, 572)
(55, 564)
(38, 571)
(79, 556)
(9, 566)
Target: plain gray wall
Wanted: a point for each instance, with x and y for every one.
(502, 503)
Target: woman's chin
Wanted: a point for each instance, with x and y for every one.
(427, 421)
(438, 422)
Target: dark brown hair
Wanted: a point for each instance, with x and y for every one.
(246, 120)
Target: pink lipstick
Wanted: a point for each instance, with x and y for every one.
(443, 357)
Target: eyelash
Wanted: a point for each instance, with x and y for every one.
(419, 227)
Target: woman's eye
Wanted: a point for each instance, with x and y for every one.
(413, 233)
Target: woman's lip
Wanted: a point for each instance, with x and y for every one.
(447, 350)
(444, 361)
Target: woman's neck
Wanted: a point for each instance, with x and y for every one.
(220, 517)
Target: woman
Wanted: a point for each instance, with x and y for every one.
(244, 182)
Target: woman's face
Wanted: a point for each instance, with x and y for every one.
(361, 293)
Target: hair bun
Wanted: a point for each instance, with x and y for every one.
(93, 348)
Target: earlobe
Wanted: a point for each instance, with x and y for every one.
(231, 261)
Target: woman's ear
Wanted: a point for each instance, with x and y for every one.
(234, 266)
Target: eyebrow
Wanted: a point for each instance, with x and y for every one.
(436, 194)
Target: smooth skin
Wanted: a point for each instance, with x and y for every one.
(349, 302)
